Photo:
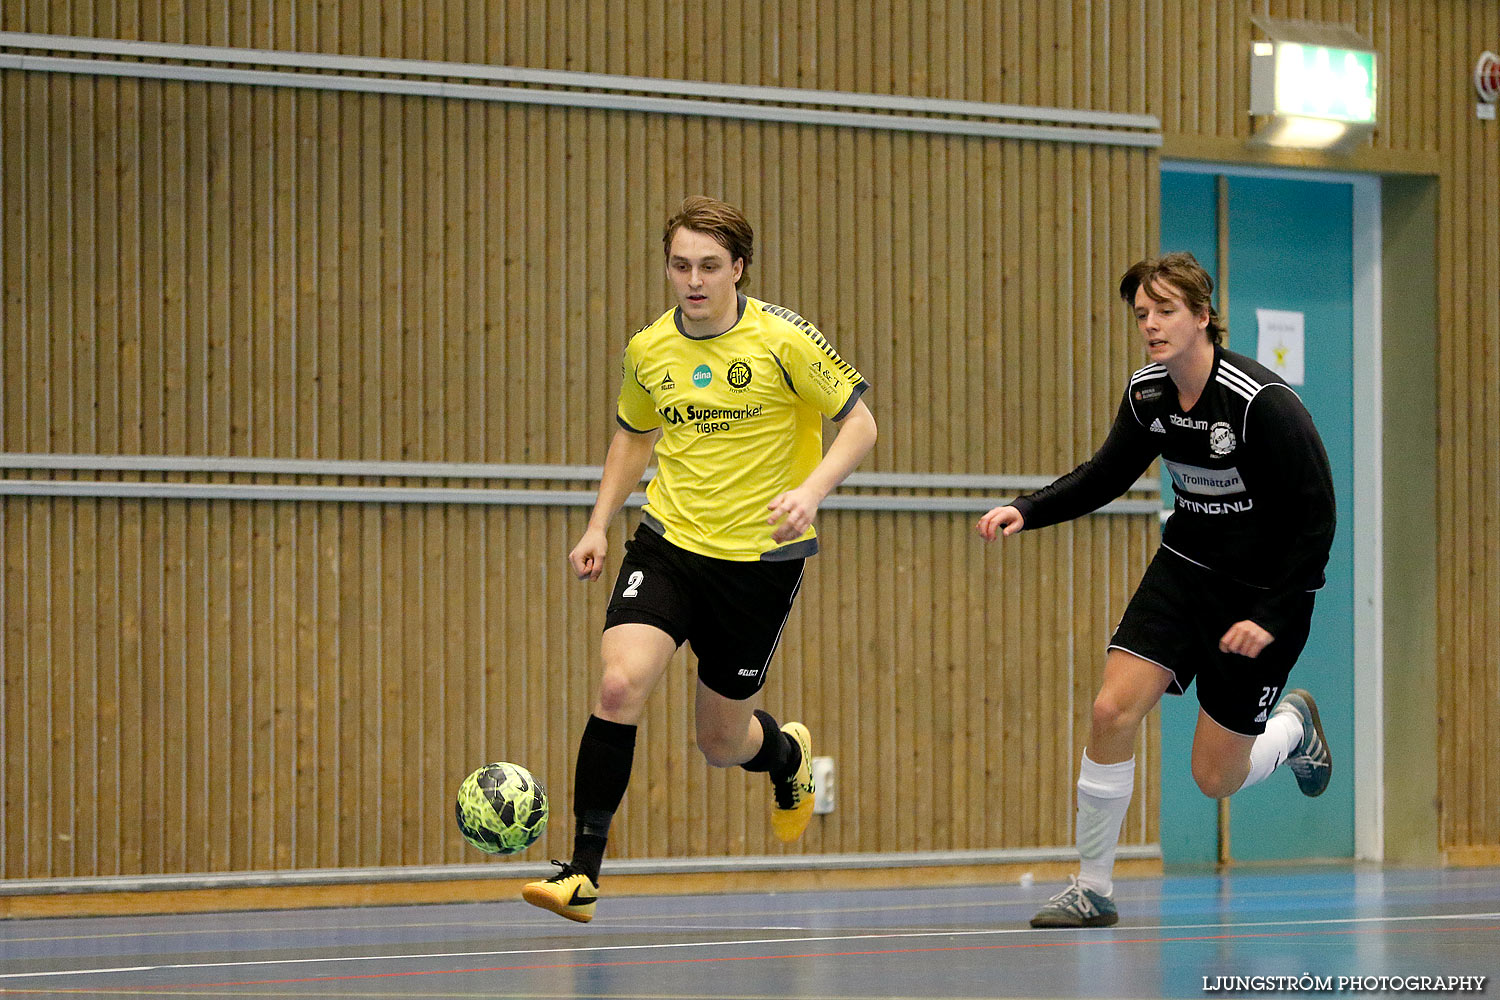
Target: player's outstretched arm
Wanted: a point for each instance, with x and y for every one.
(797, 507)
(624, 465)
(999, 521)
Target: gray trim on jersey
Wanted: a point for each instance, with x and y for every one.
(738, 315)
(800, 549)
(786, 376)
(859, 391)
(634, 430)
(795, 550)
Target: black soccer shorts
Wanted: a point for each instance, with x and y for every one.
(731, 613)
(1176, 618)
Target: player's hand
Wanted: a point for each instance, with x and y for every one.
(1000, 520)
(587, 557)
(1245, 638)
(795, 509)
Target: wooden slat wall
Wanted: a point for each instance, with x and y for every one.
(206, 269)
(1469, 445)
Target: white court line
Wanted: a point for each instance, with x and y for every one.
(1354, 894)
(1102, 939)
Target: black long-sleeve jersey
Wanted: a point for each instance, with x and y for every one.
(1254, 490)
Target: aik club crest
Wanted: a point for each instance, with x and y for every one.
(738, 375)
(1220, 439)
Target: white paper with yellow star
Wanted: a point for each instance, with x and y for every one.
(1279, 347)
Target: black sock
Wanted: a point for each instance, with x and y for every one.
(779, 754)
(588, 854)
(605, 754)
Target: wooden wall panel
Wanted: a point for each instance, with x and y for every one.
(1468, 464)
(196, 268)
(291, 302)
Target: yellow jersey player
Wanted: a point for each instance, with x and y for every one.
(729, 392)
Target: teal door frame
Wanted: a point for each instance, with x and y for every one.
(1368, 528)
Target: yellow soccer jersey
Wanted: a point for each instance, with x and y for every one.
(741, 416)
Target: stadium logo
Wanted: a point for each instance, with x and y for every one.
(738, 375)
(1220, 439)
(1193, 425)
(702, 375)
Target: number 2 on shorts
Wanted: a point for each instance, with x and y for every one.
(633, 585)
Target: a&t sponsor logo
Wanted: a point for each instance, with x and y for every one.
(824, 375)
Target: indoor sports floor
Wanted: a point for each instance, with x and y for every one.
(1177, 937)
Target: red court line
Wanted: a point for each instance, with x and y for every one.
(840, 954)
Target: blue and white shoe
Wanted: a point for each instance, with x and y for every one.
(1076, 906)
(1311, 762)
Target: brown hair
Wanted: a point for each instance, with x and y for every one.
(1182, 271)
(725, 223)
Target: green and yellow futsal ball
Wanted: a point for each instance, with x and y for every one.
(501, 808)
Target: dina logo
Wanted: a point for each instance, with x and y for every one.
(738, 375)
(702, 375)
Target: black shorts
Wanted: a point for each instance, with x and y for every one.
(1175, 620)
(732, 613)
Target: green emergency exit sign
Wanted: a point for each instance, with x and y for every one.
(1313, 81)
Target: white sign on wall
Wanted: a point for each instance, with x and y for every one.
(1280, 347)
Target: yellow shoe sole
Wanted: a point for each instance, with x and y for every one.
(564, 903)
(790, 824)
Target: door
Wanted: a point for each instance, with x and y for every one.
(1290, 248)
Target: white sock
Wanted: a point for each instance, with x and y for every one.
(1283, 733)
(1103, 797)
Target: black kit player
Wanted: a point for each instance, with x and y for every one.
(729, 393)
(1228, 597)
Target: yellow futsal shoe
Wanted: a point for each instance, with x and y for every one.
(569, 893)
(794, 794)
